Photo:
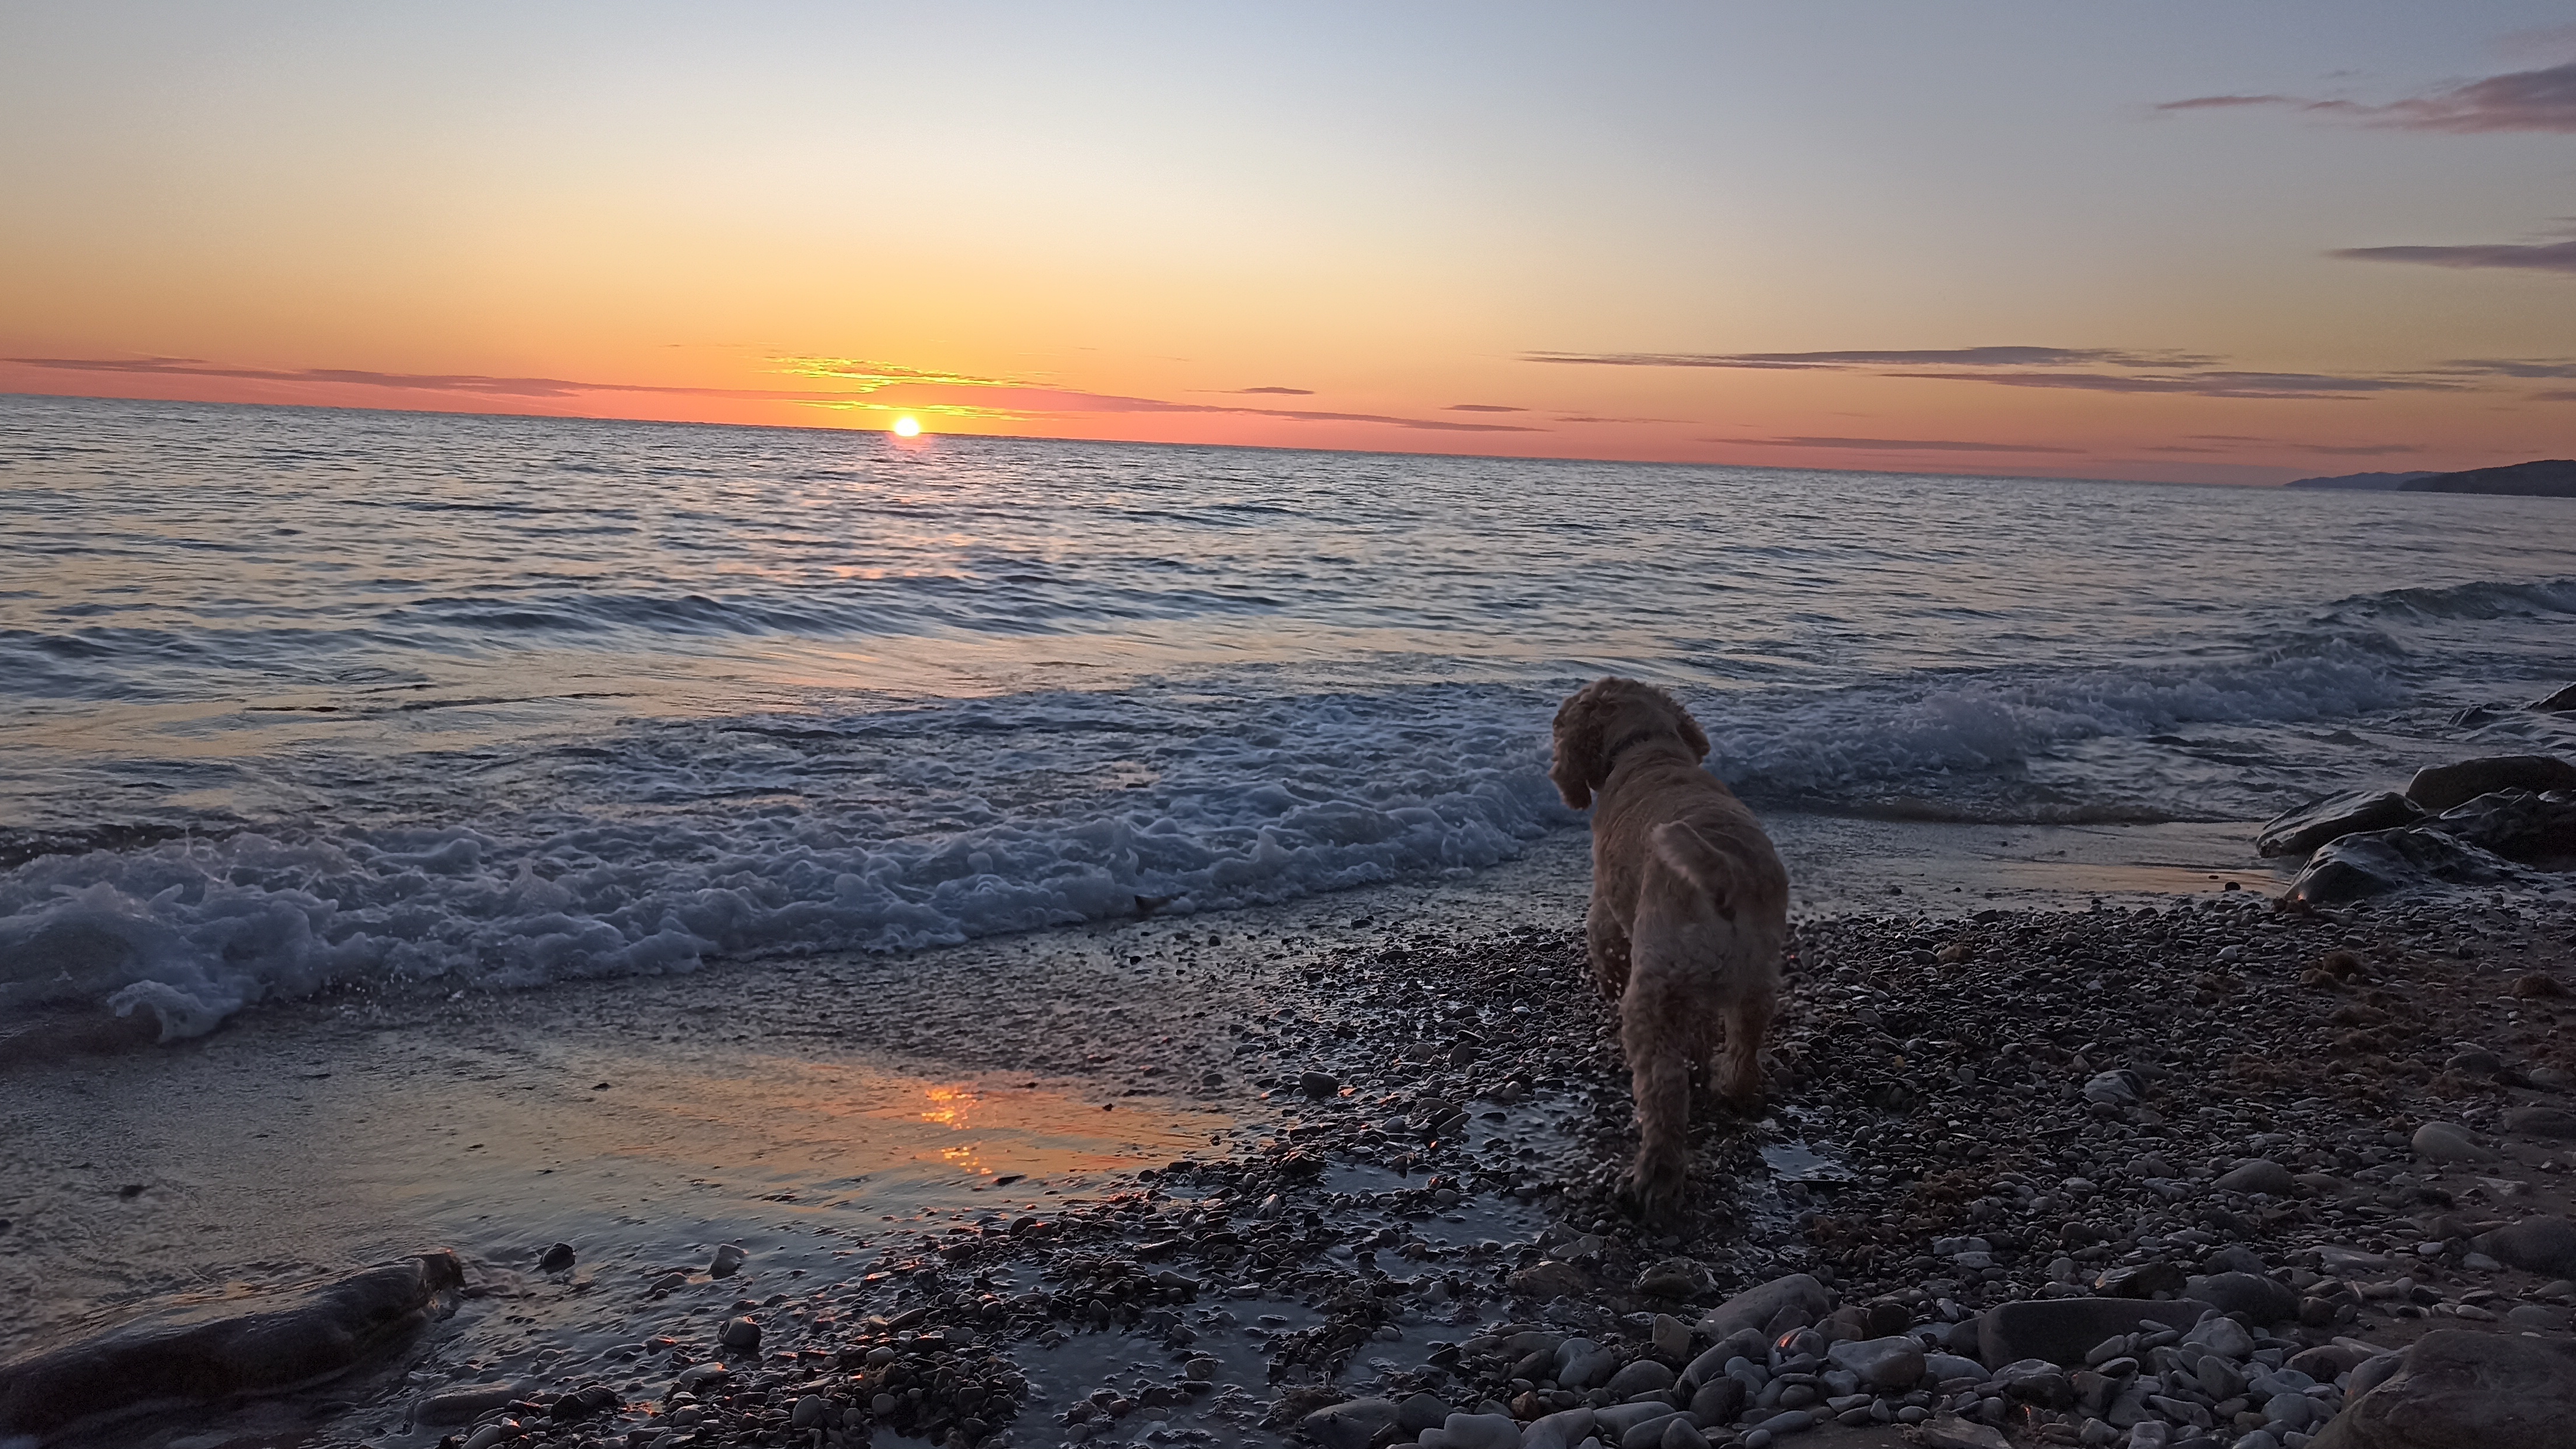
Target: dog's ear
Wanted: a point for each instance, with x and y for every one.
(1576, 767)
(1691, 736)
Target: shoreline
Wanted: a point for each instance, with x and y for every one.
(759, 1076)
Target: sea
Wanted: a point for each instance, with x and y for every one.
(302, 699)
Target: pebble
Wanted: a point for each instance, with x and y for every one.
(727, 1261)
(2447, 1142)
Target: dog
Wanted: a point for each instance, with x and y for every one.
(1689, 914)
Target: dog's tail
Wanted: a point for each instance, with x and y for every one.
(1701, 861)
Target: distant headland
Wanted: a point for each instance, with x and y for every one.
(2544, 478)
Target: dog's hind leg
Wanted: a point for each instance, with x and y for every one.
(1607, 943)
(1739, 1071)
(1659, 1075)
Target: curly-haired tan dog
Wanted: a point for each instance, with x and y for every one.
(1690, 908)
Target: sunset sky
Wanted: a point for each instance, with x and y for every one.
(2191, 241)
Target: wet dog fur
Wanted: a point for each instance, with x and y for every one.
(1690, 910)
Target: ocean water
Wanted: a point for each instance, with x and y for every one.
(295, 697)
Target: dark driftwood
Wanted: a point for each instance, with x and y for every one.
(176, 1362)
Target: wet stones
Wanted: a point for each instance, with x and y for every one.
(2440, 787)
(1797, 1295)
(557, 1259)
(2299, 832)
(462, 1406)
(1351, 1424)
(742, 1335)
(1318, 1085)
(728, 1260)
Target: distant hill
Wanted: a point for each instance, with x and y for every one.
(2546, 478)
(2371, 482)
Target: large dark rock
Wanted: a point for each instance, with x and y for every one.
(2515, 824)
(182, 1361)
(2455, 1389)
(2300, 831)
(2264, 1300)
(2063, 1330)
(1756, 1307)
(2564, 699)
(2382, 862)
(2537, 1245)
(2439, 787)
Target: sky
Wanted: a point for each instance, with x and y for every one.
(2190, 241)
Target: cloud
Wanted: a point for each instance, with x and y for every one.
(2540, 257)
(1014, 400)
(1896, 445)
(2509, 367)
(1934, 357)
(2525, 100)
(2556, 394)
(2359, 450)
(2275, 385)
(1279, 391)
(1482, 408)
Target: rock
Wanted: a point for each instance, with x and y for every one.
(810, 1412)
(2234, 1258)
(2456, 1387)
(2564, 699)
(462, 1406)
(2264, 1300)
(2514, 824)
(1551, 1279)
(727, 1261)
(1675, 1278)
(1681, 1433)
(1952, 1366)
(1755, 1307)
(2118, 1087)
(1645, 1376)
(2061, 1330)
(2300, 831)
(557, 1259)
(2379, 862)
(2140, 1280)
(1351, 1424)
(2037, 1381)
(741, 1335)
(1672, 1337)
(1423, 1411)
(1719, 1400)
(2549, 1122)
(1889, 1365)
(1558, 1431)
(2225, 1336)
(194, 1358)
(2439, 787)
(2537, 1245)
(490, 1435)
(1318, 1084)
(2258, 1174)
(1949, 1431)
(1474, 1431)
(2447, 1142)
(2533, 1316)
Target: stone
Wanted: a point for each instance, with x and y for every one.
(2514, 824)
(2439, 787)
(727, 1261)
(1563, 1430)
(2301, 831)
(557, 1259)
(1551, 1279)
(2233, 1258)
(2459, 1387)
(2534, 1316)
(2537, 1245)
(1890, 1365)
(742, 1335)
(2262, 1299)
(1671, 1337)
(1318, 1084)
(1648, 1433)
(2140, 1280)
(1756, 1307)
(1424, 1411)
(1645, 1376)
(1581, 1363)
(2551, 1122)
(810, 1412)
(2378, 862)
(2564, 699)
(1681, 1433)
(462, 1406)
(2258, 1174)
(2118, 1087)
(2060, 1330)
(1942, 1366)
(2225, 1336)
(1474, 1431)
(1350, 1424)
(1949, 1431)
(2447, 1142)
(2037, 1381)
(204, 1356)
(1675, 1278)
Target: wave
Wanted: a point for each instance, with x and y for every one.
(2472, 601)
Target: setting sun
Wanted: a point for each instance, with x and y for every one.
(907, 427)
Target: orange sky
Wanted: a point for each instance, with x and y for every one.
(2201, 245)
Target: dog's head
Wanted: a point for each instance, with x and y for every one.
(1605, 717)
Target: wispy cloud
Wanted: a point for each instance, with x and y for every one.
(1896, 445)
(1277, 391)
(2556, 394)
(1482, 408)
(2526, 100)
(2360, 450)
(2538, 257)
(2212, 383)
(472, 384)
(1927, 357)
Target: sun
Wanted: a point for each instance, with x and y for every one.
(907, 427)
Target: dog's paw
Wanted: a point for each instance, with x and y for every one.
(1654, 1190)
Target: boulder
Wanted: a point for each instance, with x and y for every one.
(2455, 1387)
(2439, 787)
(2382, 862)
(1551, 1279)
(2563, 700)
(2447, 1142)
(190, 1359)
(1351, 1424)
(2301, 831)
(1558, 1431)
(1756, 1307)
(1423, 1411)
(1473, 1431)
(1890, 1365)
(2551, 1122)
(2262, 1299)
(2535, 1245)
(1642, 1377)
(2062, 1330)
(2515, 824)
